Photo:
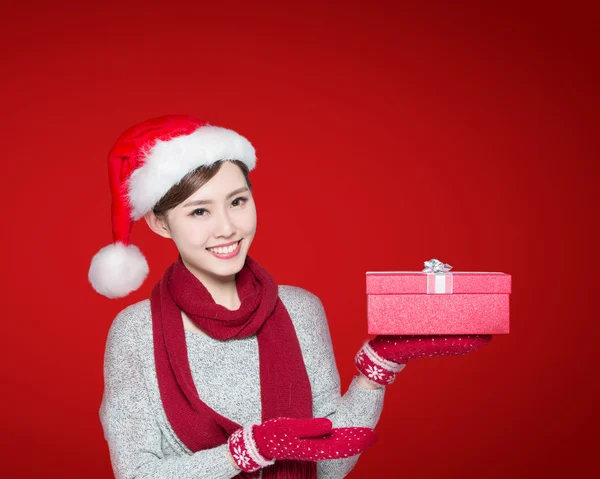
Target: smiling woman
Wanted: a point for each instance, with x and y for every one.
(221, 372)
(226, 220)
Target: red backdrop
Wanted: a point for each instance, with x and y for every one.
(386, 135)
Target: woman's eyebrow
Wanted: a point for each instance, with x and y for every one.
(204, 202)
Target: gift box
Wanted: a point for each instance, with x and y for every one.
(435, 301)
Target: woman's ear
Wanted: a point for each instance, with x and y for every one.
(157, 224)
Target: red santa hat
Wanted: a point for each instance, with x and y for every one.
(145, 162)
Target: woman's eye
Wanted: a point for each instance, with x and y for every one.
(243, 198)
(202, 211)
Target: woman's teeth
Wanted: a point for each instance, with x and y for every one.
(226, 250)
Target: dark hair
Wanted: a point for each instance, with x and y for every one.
(190, 183)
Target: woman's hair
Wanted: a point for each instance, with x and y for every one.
(190, 183)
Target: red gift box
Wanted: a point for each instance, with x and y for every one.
(435, 301)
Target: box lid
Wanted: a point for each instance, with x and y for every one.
(416, 282)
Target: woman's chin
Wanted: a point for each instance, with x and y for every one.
(227, 267)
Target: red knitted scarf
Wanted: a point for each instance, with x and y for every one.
(284, 385)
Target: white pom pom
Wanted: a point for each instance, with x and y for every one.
(117, 270)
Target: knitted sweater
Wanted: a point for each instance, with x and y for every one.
(141, 442)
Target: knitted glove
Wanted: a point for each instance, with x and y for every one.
(382, 357)
(255, 446)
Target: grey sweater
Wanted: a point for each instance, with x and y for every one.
(141, 442)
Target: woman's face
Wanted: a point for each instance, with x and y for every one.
(222, 211)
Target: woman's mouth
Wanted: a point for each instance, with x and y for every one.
(227, 252)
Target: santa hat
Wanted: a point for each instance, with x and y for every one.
(145, 162)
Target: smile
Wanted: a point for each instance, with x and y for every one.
(227, 252)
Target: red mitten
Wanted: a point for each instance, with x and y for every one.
(382, 357)
(255, 446)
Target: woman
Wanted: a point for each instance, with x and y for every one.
(223, 372)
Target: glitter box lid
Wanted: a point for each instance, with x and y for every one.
(415, 282)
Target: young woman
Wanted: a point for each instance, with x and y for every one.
(222, 372)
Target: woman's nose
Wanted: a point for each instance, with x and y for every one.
(225, 226)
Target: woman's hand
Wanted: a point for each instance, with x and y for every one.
(382, 357)
(259, 445)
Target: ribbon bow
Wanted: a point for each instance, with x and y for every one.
(435, 266)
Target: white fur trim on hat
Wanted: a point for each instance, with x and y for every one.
(117, 270)
(169, 161)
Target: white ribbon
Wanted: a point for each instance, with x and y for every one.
(439, 280)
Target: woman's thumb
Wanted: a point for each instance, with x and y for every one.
(312, 427)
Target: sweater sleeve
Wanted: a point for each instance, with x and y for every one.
(130, 429)
(357, 407)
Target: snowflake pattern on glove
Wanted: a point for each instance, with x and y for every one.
(374, 372)
(241, 457)
(375, 368)
(236, 436)
(359, 358)
(241, 449)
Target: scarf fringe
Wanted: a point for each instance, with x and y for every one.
(288, 469)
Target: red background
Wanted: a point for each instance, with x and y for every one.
(386, 135)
